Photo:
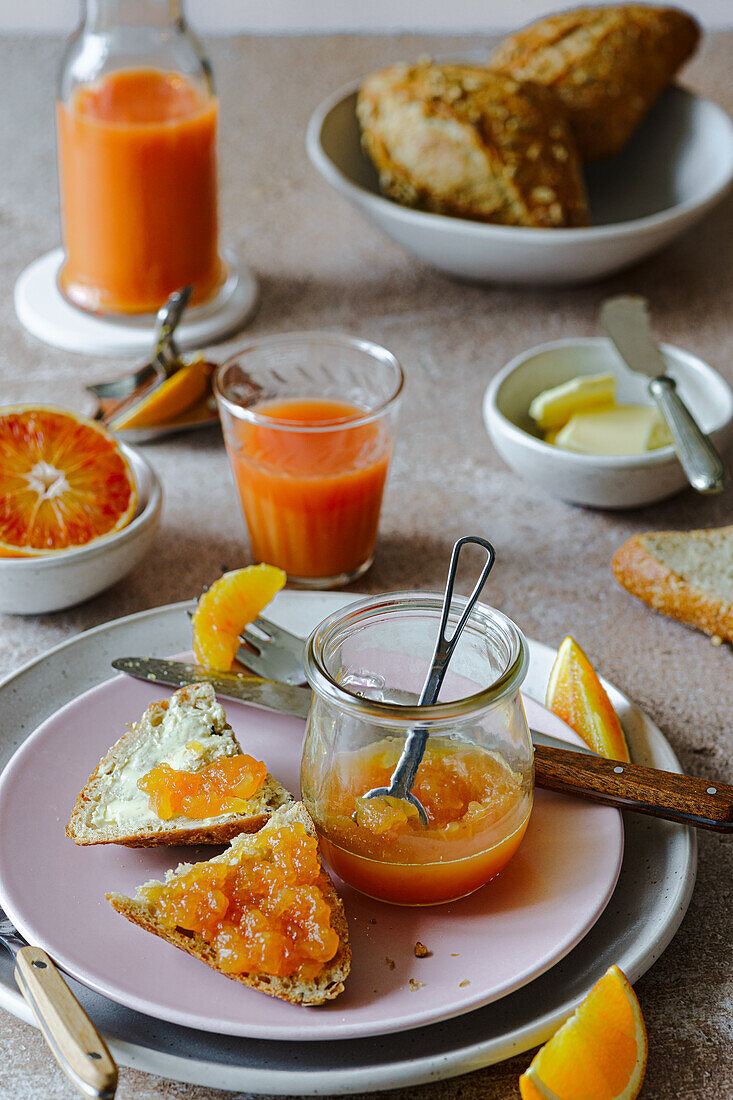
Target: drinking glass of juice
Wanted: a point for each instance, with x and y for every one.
(309, 423)
(366, 665)
(136, 122)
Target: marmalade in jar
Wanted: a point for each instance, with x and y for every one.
(477, 809)
(261, 907)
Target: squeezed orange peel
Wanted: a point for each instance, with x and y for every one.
(182, 391)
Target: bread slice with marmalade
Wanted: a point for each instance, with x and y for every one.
(158, 906)
(187, 731)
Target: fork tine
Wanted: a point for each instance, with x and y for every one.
(255, 640)
(278, 632)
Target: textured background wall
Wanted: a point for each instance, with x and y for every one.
(224, 16)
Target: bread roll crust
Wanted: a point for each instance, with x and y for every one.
(644, 575)
(608, 66)
(461, 140)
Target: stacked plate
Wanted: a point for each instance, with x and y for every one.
(507, 964)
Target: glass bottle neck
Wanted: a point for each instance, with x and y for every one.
(100, 15)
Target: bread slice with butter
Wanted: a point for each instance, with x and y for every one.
(324, 986)
(187, 731)
(687, 575)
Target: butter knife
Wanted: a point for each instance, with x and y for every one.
(568, 770)
(626, 320)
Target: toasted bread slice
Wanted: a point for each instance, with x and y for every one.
(461, 140)
(685, 574)
(306, 991)
(607, 65)
(187, 731)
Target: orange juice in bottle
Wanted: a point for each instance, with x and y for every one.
(136, 128)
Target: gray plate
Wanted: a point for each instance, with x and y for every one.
(651, 898)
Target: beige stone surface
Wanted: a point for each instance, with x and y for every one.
(321, 266)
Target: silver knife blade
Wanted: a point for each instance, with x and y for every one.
(272, 694)
(626, 320)
(286, 698)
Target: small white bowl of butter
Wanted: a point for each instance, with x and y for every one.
(554, 451)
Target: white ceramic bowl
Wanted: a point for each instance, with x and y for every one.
(602, 481)
(32, 586)
(675, 168)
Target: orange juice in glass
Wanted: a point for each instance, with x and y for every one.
(309, 423)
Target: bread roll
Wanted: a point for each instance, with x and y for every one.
(461, 140)
(608, 65)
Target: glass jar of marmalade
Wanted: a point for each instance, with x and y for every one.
(366, 665)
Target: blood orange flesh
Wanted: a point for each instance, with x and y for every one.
(64, 482)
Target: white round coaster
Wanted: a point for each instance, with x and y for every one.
(42, 309)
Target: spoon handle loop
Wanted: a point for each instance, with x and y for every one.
(444, 646)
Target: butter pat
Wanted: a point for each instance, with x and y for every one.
(619, 430)
(554, 407)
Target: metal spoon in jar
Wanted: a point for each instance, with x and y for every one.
(403, 777)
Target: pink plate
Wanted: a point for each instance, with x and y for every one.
(482, 948)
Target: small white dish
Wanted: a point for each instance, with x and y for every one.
(601, 481)
(43, 310)
(34, 586)
(677, 165)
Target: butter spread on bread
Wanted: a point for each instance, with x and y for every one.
(188, 731)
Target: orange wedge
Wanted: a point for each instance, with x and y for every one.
(64, 482)
(598, 1054)
(576, 695)
(227, 607)
(182, 391)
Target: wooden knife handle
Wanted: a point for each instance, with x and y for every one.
(701, 802)
(75, 1043)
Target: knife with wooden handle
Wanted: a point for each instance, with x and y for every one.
(73, 1039)
(568, 770)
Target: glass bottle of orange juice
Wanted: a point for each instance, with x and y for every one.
(136, 120)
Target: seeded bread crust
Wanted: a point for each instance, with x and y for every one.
(464, 141)
(607, 65)
(640, 571)
(312, 991)
(83, 830)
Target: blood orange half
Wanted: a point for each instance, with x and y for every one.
(64, 482)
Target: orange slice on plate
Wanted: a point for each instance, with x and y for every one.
(577, 696)
(179, 393)
(64, 482)
(227, 607)
(598, 1054)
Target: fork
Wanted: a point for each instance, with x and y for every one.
(272, 652)
(73, 1039)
